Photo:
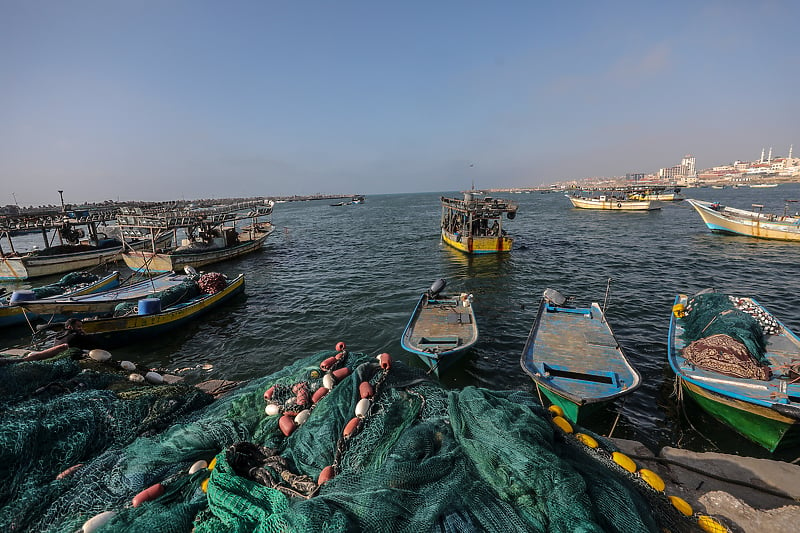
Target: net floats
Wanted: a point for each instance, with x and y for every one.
(648, 477)
(97, 521)
(150, 493)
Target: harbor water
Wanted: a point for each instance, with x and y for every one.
(353, 273)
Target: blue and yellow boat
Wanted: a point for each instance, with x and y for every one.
(150, 320)
(441, 329)
(13, 313)
(740, 364)
(475, 225)
(574, 358)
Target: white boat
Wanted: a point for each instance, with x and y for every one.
(723, 219)
(610, 203)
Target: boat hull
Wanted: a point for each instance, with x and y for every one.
(751, 224)
(440, 332)
(176, 262)
(111, 332)
(478, 245)
(761, 425)
(576, 361)
(26, 267)
(611, 204)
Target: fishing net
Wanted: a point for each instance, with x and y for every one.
(419, 458)
(714, 313)
(170, 296)
(66, 283)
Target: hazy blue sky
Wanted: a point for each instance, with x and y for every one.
(165, 99)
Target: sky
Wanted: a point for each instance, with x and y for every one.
(169, 99)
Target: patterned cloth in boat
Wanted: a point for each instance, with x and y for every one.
(726, 355)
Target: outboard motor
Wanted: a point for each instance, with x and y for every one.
(554, 297)
(437, 287)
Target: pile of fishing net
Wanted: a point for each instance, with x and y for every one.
(416, 457)
(68, 282)
(170, 296)
(212, 282)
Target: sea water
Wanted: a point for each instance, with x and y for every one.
(353, 273)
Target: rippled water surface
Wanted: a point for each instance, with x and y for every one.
(354, 273)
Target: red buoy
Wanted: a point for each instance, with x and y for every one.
(340, 373)
(69, 471)
(150, 493)
(319, 394)
(328, 363)
(340, 346)
(287, 425)
(326, 474)
(351, 427)
(385, 360)
(365, 390)
(268, 393)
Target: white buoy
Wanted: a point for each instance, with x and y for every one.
(154, 378)
(363, 407)
(97, 521)
(99, 355)
(301, 417)
(136, 378)
(328, 381)
(127, 365)
(272, 409)
(199, 465)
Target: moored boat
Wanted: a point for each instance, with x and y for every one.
(12, 312)
(212, 235)
(574, 358)
(104, 302)
(150, 320)
(739, 363)
(475, 225)
(441, 328)
(611, 202)
(723, 219)
(657, 194)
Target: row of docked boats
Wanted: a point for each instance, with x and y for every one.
(160, 239)
(729, 354)
(165, 290)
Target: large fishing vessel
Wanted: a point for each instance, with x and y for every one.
(475, 225)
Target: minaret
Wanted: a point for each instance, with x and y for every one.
(762, 156)
(769, 157)
(790, 150)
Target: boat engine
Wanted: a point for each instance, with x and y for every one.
(554, 297)
(437, 287)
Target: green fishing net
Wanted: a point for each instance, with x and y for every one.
(422, 459)
(714, 313)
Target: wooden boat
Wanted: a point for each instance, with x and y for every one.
(82, 244)
(212, 235)
(764, 408)
(102, 302)
(574, 358)
(441, 329)
(117, 331)
(475, 225)
(723, 219)
(763, 185)
(12, 313)
(656, 194)
(610, 202)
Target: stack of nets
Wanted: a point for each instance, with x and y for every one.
(183, 292)
(68, 282)
(714, 313)
(212, 282)
(423, 458)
